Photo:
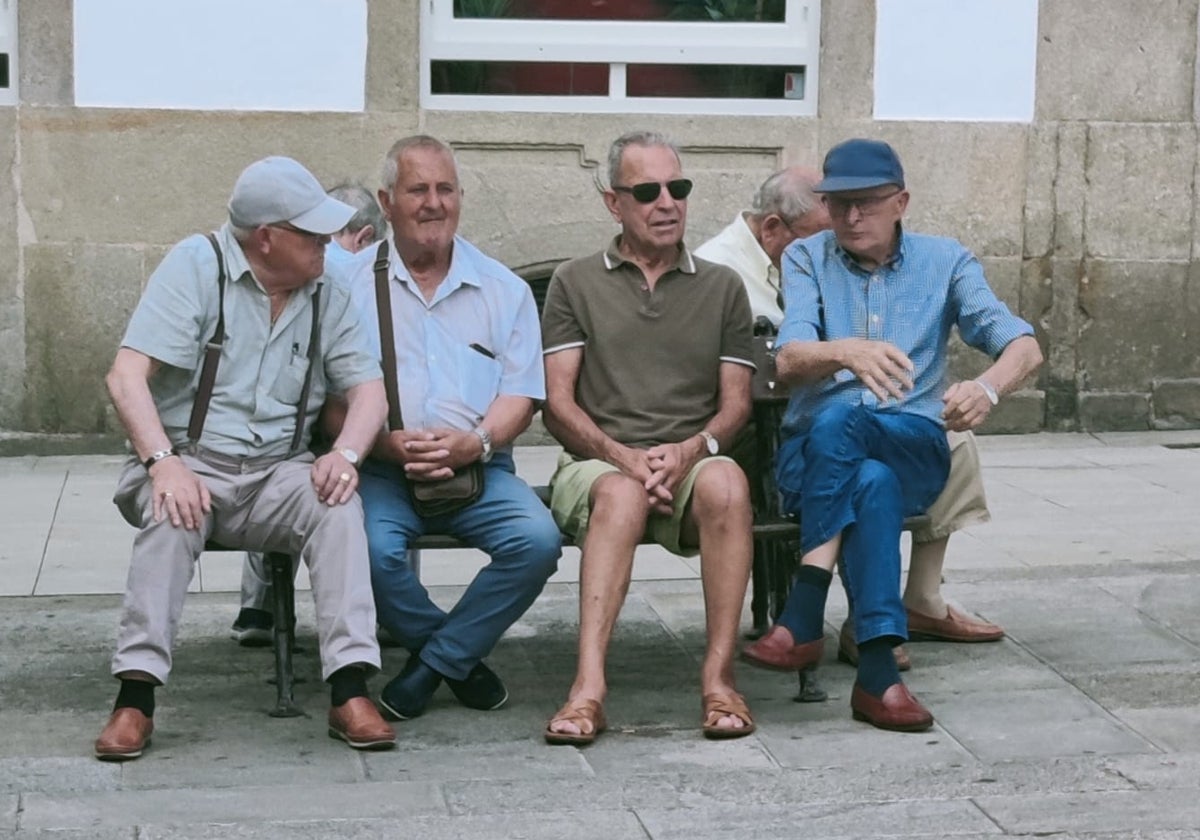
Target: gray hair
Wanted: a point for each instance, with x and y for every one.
(635, 138)
(366, 209)
(787, 194)
(391, 164)
(241, 234)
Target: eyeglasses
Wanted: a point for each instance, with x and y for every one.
(867, 205)
(679, 189)
(307, 234)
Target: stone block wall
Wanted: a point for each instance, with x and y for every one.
(1085, 219)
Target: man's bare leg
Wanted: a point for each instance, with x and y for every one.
(719, 520)
(615, 526)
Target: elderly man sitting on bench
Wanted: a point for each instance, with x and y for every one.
(869, 307)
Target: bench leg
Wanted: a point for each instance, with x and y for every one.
(760, 596)
(284, 588)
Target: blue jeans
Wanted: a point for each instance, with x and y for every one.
(859, 472)
(508, 522)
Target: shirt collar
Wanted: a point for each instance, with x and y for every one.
(614, 258)
(753, 251)
(460, 273)
(896, 260)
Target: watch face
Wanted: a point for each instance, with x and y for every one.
(350, 455)
(711, 443)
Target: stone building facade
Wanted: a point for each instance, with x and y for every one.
(1085, 217)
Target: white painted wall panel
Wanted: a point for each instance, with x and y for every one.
(955, 59)
(289, 55)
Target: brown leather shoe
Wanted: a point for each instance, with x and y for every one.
(897, 709)
(125, 736)
(359, 724)
(957, 626)
(848, 649)
(778, 651)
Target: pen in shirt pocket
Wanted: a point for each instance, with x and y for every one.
(479, 348)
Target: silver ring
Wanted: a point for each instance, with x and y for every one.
(168, 494)
(344, 477)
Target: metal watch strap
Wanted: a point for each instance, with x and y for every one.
(160, 455)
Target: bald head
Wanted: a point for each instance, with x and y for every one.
(785, 208)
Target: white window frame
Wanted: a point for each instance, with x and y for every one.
(8, 44)
(619, 43)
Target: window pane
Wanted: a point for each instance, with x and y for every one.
(715, 81)
(513, 78)
(770, 11)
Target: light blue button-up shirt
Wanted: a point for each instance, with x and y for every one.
(930, 285)
(476, 340)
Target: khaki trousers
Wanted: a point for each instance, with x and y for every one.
(258, 504)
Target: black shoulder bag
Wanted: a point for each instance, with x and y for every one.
(429, 498)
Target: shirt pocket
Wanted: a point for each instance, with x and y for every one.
(479, 379)
(290, 382)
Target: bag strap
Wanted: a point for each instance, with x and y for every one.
(387, 338)
(314, 338)
(212, 353)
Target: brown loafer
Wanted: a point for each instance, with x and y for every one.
(125, 736)
(897, 709)
(778, 651)
(359, 724)
(957, 626)
(848, 649)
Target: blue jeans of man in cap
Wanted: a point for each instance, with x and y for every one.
(861, 471)
(508, 522)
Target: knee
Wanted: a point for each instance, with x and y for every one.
(876, 482)
(830, 423)
(616, 497)
(721, 489)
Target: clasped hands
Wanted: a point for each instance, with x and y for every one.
(888, 373)
(659, 469)
(434, 454)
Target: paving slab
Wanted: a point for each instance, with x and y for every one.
(1135, 810)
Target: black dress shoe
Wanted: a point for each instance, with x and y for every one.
(481, 690)
(408, 693)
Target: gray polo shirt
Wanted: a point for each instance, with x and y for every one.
(651, 359)
(253, 408)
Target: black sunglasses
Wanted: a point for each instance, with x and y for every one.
(678, 189)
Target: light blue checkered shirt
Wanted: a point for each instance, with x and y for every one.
(931, 284)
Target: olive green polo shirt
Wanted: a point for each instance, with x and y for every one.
(651, 358)
(261, 374)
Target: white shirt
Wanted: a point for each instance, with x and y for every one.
(737, 248)
(476, 340)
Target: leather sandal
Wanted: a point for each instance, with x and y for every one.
(717, 706)
(586, 714)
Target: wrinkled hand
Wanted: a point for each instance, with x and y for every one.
(635, 463)
(334, 478)
(966, 406)
(179, 494)
(670, 462)
(880, 366)
(463, 448)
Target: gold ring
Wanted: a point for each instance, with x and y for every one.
(344, 477)
(168, 495)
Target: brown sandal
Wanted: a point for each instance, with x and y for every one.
(717, 706)
(586, 714)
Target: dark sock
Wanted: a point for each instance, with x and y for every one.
(804, 612)
(136, 694)
(877, 671)
(346, 684)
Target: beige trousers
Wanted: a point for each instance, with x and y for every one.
(258, 504)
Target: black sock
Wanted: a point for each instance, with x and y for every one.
(877, 671)
(136, 694)
(804, 612)
(347, 683)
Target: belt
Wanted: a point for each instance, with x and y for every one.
(232, 463)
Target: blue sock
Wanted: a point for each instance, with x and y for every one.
(804, 613)
(877, 671)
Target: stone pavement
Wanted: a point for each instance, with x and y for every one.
(1082, 724)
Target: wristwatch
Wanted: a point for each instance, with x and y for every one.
(485, 437)
(160, 455)
(992, 396)
(711, 443)
(349, 454)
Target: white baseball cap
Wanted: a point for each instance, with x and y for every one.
(278, 189)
